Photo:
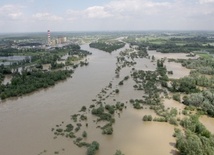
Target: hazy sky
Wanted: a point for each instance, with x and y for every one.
(107, 15)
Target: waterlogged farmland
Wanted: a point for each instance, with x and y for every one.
(131, 101)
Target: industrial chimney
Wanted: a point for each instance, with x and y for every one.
(49, 37)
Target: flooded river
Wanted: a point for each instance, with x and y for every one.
(26, 122)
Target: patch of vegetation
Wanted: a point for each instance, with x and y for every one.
(29, 81)
(94, 146)
(147, 118)
(108, 47)
(118, 152)
(196, 139)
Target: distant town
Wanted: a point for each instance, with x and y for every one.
(36, 43)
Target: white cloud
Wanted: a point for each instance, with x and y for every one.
(97, 12)
(10, 12)
(46, 17)
(206, 1)
(137, 6)
(118, 15)
(94, 12)
(15, 15)
(120, 9)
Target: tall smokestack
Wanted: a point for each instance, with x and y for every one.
(49, 37)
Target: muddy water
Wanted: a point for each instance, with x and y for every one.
(178, 70)
(170, 103)
(26, 122)
(208, 122)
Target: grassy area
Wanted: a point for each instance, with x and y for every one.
(204, 55)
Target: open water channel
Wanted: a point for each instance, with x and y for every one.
(26, 122)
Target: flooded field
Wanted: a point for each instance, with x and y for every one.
(26, 121)
(159, 55)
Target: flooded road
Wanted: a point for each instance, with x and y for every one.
(26, 122)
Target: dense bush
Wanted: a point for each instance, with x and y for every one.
(177, 97)
(147, 118)
(196, 139)
(203, 100)
(94, 146)
(107, 129)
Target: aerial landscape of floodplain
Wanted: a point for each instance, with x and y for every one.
(107, 77)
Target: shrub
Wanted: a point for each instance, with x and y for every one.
(173, 121)
(107, 129)
(59, 130)
(177, 97)
(126, 77)
(147, 118)
(83, 109)
(93, 148)
(117, 91)
(121, 83)
(69, 128)
(84, 134)
(118, 152)
(137, 105)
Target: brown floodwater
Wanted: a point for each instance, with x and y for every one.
(208, 122)
(178, 70)
(26, 122)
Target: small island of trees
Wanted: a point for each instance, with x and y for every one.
(107, 46)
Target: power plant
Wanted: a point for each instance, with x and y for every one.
(49, 37)
(55, 41)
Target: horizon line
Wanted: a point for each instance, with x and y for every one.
(83, 31)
